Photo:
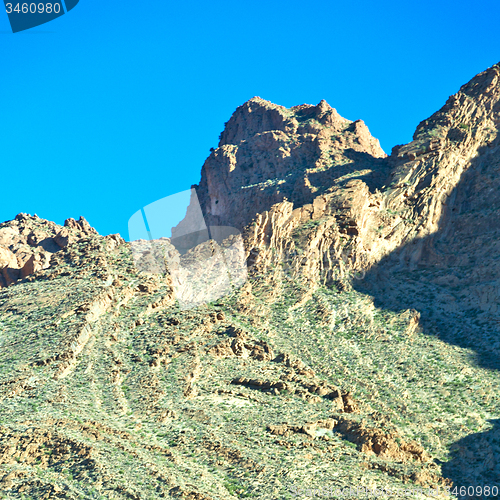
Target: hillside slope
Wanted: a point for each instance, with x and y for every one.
(363, 351)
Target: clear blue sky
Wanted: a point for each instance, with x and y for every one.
(116, 104)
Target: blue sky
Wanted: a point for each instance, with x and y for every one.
(116, 104)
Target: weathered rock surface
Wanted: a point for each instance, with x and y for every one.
(317, 193)
(268, 153)
(28, 243)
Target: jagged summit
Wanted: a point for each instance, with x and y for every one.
(300, 157)
(268, 153)
(257, 116)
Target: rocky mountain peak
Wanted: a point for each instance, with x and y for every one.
(362, 342)
(258, 116)
(315, 169)
(268, 153)
(254, 116)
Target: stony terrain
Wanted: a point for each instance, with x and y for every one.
(363, 350)
(27, 244)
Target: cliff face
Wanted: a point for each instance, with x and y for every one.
(268, 153)
(447, 175)
(277, 171)
(444, 191)
(432, 206)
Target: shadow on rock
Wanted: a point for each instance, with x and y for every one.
(452, 278)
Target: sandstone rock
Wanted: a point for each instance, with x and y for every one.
(416, 216)
(113, 241)
(32, 265)
(268, 153)
(23, 254)
(34, 238)
(7, 258)
(383, 444)
(80, 225)
(10, 275)
(62, 238)
(309, 428)
(9, 235)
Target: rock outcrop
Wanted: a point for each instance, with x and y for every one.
(268, 153)
(28, 243)
(316, 192)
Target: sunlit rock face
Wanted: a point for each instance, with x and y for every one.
(268, 153)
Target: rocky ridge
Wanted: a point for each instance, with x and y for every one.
(362, 209)
(28, 243)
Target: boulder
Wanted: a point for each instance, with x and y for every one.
(7, 258)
